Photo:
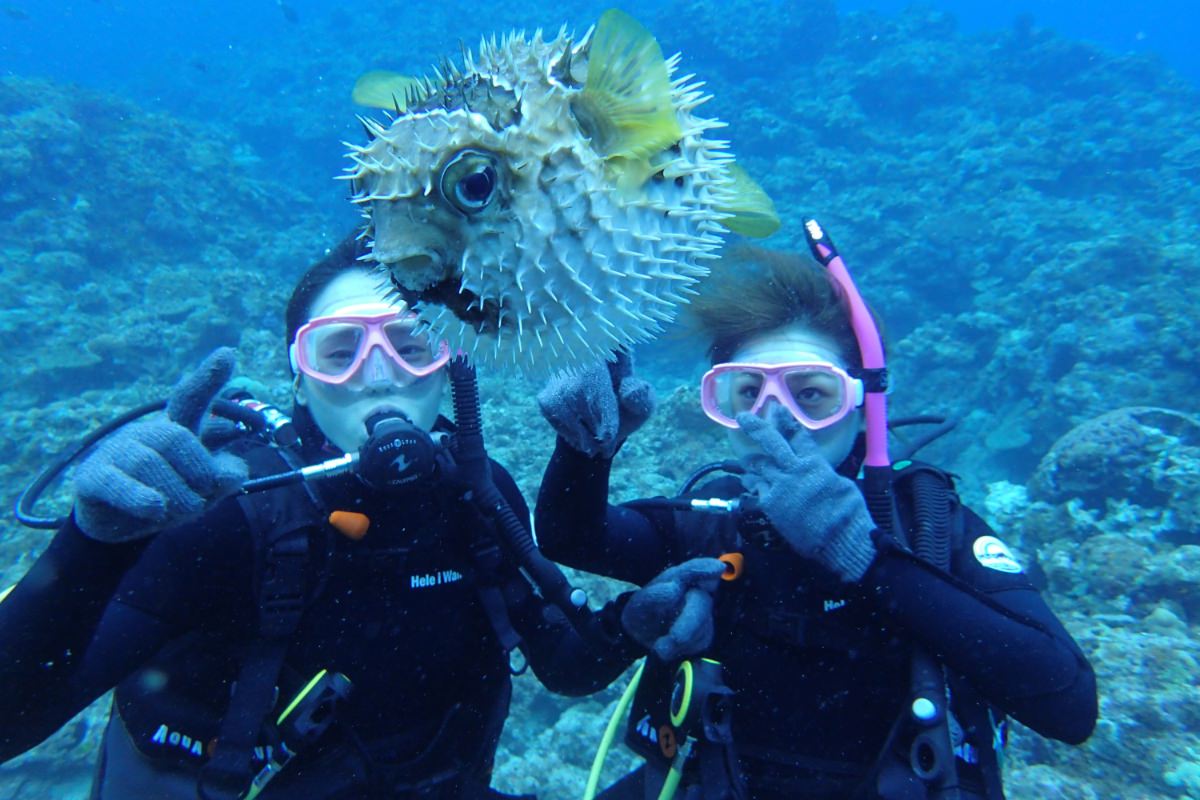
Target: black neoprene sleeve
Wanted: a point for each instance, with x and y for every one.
(88, 613)
(563, 660)
(46, 623)
(576, 526)
(1008, 644)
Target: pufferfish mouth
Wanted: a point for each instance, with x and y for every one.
(422, 263)
(482, 315)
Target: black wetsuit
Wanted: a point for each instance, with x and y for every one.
(821, 668)
(398, 612)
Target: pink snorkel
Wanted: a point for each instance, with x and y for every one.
(930, 753)
(877, 467)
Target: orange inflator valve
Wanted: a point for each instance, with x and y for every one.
(667, 743)
(734, 565)
(350, 524)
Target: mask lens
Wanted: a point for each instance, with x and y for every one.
(817, 392)
(332, 349)
(413, 350)
(737, 391)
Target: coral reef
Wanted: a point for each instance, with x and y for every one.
(962, 175)
(132, 244)
(1141, 454)
(1109, 519)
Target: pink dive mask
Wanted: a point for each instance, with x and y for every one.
(817, 393)
(333, 349)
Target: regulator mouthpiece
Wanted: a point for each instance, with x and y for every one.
(396, 455)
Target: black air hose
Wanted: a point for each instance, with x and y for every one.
(472, 460)
(877, 491)
(23, 510)
(909, 449)
(25, 503)
(931, 519)
(731, 466)
(931, 752)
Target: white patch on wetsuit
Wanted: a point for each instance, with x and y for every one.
(994, 554)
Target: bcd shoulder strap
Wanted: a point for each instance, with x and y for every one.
(487, 560)
(282, 522)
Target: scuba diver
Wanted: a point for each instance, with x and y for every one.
(823, 623)
(274, 633)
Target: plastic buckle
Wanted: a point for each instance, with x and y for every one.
(875, 379)
(313, 709)
(269, 771)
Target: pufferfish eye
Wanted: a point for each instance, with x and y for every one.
(469, 181)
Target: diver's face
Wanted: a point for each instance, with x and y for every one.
(792, 343)
(379, 384)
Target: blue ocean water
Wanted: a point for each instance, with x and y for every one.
(1014, 184)
(116, 44)
(1166, 28)
(220, 61)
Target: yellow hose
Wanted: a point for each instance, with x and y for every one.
(676, 772)
(610, 733)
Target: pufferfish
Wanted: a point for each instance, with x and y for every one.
(550, 201)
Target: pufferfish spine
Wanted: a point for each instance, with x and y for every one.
(605, 196)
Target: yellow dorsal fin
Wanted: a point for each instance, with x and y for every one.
(753, 212)
(382, 89)
(625, 106)
(630, 174)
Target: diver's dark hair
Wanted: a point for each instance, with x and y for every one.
(341, 259)
(754, 290)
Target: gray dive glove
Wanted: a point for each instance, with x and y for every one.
(820, 514)
(596, 409)
(673, 614)
(152, 475)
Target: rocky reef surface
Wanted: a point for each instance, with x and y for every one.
(1020, 208)
(1110, 521)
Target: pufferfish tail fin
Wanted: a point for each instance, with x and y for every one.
(387, 90)
(625, 106)
(751, 209)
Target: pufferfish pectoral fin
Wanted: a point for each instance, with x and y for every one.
(382, 89)
(753, 212)
(625, 106)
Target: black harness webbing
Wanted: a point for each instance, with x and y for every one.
(487, 558)
(933, 533)
(281, 601)
(284, 531)
(932, 750)
(917, 761)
